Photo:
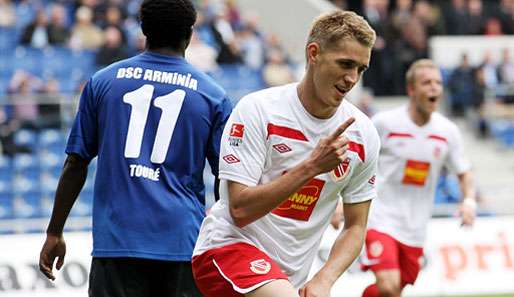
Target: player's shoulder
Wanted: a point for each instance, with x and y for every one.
(445, 125)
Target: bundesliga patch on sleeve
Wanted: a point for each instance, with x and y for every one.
(236, 134)
(416, 173)
(300, 205)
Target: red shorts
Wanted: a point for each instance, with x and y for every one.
(384, 252)
(234, 270)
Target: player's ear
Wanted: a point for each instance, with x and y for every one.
(313, 51)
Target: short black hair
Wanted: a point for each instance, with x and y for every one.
(167, 23)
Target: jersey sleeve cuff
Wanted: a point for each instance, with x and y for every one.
(237, 178)
(359, 198)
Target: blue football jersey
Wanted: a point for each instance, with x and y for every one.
(152, 120)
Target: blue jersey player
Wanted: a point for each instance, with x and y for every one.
(152, 120)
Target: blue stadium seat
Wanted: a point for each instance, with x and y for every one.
(28, 59)
(8, 39)
(49, 159)
(46, 204)
(26, 182)
(84, 204)
(23, 162)
(6, 206)
(26, 137)
(26, 205)
(56, 62)
(49, 182)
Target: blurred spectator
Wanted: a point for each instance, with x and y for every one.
(506, 68)
(49, 107)
(201, 55)
(113, 18)
(505, 14)
(475, 19)
(365, 102)
(380, 73)
(251, 45)
(8, 127)
(461, 85)
(85, 34)
(276, 72)
(224, 37)
(456, 18)
(7, 13)
(112, 50)
(493, 27)
(58, 32)
(36, 33)
(22, 90)
(490, 73)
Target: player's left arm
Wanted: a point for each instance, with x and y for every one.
(344, 251)
(458, 163)
(468, 204)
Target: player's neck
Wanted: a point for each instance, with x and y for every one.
(418, 117)
(312, 104)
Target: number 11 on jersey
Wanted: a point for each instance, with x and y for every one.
(140, 101)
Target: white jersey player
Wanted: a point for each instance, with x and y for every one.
(287, 154)
(416, 142)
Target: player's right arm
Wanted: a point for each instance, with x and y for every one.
(249, 203)
(81, 148)
(72, 180)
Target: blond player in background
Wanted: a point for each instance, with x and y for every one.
(417, 142)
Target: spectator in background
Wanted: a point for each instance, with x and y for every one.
(201, 55)
(113, 18)
(58, 32)
(23, 89)
(85, 34)
(112, 50)
(456, 18)
(276, 71)
(8, 126)
(490, 70)
(36, 33)
(505, 13)
(506, 68)
(251, 46)
(475, 19)
(50, 105)
(229, 51)
(461, 85)
(7, 13)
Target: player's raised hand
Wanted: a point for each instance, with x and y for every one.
(54, 247)
(331, 150)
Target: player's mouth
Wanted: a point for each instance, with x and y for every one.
(433, 99)
(342, 91)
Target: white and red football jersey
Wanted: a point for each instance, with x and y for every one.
(268, 133)
(411, 158)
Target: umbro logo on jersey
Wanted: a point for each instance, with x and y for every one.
(282, 148)
(371, 181)
(260, 266)
(230, 159)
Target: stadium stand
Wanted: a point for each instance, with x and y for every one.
(28, 179)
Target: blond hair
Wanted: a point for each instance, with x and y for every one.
(329, 28)
(410, 75)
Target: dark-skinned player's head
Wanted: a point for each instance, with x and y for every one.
(167, 23)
